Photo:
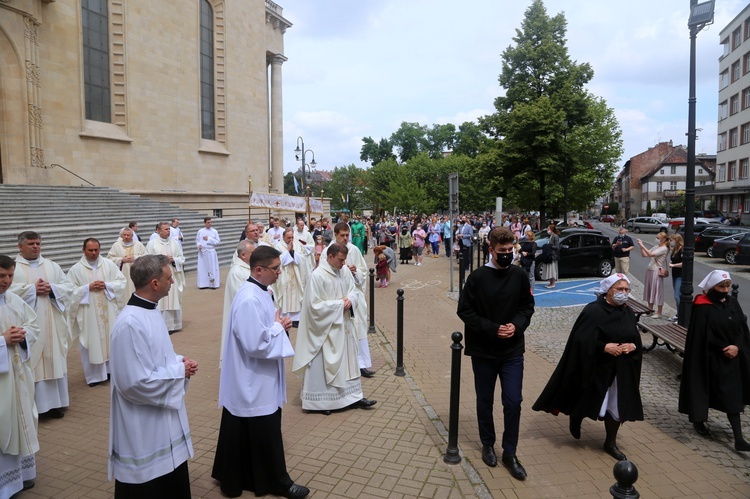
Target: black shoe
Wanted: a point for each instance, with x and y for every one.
(742, 445)
(488, 455)
(366, 373)
(28, 484)
(53, 414)
(363, 404)
(575, 427)
(296, 491)
(92, 385)
(613, 451)
(701, 429)
(515, 467)
(295, 324)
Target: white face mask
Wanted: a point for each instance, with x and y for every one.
(620, 297)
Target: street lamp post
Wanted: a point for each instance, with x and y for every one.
(701, 15)
(299, 154)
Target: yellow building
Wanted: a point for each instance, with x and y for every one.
(175, 99)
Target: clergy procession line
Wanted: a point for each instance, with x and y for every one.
(46, 312)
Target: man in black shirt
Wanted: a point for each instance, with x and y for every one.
(622, 244)
(496, 306)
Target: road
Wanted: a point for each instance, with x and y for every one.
(702, 266)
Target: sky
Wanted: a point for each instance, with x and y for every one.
(359, 68)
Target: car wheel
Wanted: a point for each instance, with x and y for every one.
(605, 268)
(710, 251)
(729, 256)
(637, 230)
(539, 268)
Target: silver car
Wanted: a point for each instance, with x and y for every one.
(646, 224)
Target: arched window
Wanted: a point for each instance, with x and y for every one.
(208, 112)
(96, 70)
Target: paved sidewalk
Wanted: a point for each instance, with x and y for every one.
(396, 449)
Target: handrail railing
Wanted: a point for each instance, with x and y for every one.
(74, 174)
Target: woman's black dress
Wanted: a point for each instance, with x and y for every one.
(585, 372)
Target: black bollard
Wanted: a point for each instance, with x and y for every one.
(479, 253)
(372, 301)
(451, 453)
(735, 290)
(626, 474)
(461, 274)
(400, 333)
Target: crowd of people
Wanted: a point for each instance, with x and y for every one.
(120, 311)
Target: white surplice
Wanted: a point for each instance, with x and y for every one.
(208, 261)
(118, 251)
(49, 355)
(289, 288)
(238, 274)
(327, 344)
(308, 251)
(171, 305)
(176, 233)
(92, 313)
(149, 435)
(18, 415)
(253, 381)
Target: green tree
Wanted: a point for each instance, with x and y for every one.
(375, 153)
(551, 135)
(470, 140)
(409, 140)
(348, 189)
(439, 139)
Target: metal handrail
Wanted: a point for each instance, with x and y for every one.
(74, 174)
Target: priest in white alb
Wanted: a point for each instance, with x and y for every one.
(97, 299)
(44, 287)
(303, 236)
(326, 350)
(289, 289)
(207, 240)
(238, 274)
(149, 435)
(252, 389)
(357, 265)
(123, 253)
(171, 305)
(18, 416)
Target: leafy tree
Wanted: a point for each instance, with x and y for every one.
(409, 140)
(470, 140)
(348, 189)
(548, 129)
(375, 153)
(440, 138)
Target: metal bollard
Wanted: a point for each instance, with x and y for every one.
(372, 301)
(400, 333)
(461, 274)
(626, 474)
(479, 254)
(735, 290)
(451, 453)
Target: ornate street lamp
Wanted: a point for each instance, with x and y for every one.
(299, 154)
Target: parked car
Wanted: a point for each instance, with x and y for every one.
(742, 250)
(574, 223)
(607, 218)
(676, 223)
(725, 247)
(705, 239)
(645, 224)
(581, 252)
(699, 227)
(661, 216)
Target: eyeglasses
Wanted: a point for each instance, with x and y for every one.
(276, 269)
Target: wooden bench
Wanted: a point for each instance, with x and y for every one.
(638, 308)
(670, 335)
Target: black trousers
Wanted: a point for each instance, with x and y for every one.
(486, 373)
(250, 455)
(173, 485)
(448, 247)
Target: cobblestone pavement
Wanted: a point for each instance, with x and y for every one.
(396, 449)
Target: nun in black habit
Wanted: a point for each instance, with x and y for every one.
(599, 374)
(716, 368)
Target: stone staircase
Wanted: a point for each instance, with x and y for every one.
(65, 216)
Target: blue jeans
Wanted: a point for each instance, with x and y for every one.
(486, 373)
(676, 284)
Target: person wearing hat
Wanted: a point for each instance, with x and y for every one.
(598, 376)
(716, 369)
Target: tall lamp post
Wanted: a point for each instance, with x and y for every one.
(299, 154)
(701, 15)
